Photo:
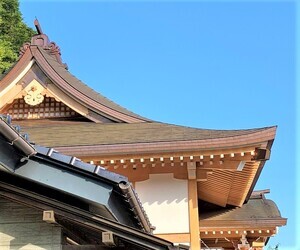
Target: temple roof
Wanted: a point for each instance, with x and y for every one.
(13, 147)
(40, 61)
(258, 220)
(76, 120)
(61, 70)
(255, 210)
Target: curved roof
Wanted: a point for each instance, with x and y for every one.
(79, 86)
(126, 133)
(49, 62)
(64, 133)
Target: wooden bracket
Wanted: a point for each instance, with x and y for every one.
(48, 216)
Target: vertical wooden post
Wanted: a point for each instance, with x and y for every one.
(193, 208)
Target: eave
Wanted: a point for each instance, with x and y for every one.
(217, 155)
(231, 143)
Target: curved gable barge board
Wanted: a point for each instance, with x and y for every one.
(70, 90)
(17, 69)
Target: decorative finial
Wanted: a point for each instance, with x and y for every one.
(38, 27)
(42, 40)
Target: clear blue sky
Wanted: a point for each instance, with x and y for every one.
(218, 65)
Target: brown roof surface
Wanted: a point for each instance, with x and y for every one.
(255, 209)
(67, 133)
(83, 88)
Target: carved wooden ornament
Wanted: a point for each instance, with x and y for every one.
(34, 93)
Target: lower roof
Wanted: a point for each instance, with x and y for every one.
(256, 212)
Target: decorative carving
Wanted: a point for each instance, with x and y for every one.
(42, 40)
(33, 96)
(54, 48)
(23, 49)
(34, 93)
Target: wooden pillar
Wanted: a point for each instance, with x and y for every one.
(193, 207)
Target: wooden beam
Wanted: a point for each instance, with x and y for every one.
(243, 153)
(258, 234)
(202, 174)
(191, 169)
(175, 238)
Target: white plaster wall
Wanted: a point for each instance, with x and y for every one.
(165, 200)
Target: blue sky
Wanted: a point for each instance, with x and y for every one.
(218, 65)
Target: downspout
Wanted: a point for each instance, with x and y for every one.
(136, 205)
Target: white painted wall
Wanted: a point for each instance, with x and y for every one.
(165, 200)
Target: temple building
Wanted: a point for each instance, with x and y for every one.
(196, 185)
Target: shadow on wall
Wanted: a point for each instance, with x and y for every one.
(162, 189)
(168, 202)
